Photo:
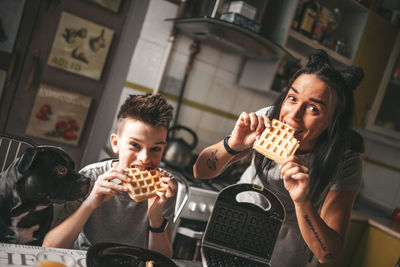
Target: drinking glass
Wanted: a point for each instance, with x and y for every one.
(54, 259)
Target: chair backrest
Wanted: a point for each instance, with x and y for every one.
(183, 192)
(12, 147)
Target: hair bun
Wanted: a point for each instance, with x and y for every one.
(352, 76)
(318, 58)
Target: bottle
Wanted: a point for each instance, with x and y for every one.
(297, 15)
(319, 27)
(333, 21)
(308, 18)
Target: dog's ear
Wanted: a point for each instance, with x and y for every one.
(27, 159)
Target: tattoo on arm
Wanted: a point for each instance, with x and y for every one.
(212, 161)
(316, 234)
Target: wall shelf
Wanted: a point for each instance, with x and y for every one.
(296, 39)
(229, 37)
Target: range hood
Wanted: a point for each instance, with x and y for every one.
(229, 37)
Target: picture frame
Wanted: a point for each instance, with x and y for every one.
(58, 115)
(113, 5)
(80, 46)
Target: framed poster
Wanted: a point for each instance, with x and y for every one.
(109, 4)
(80, 46)
(58, 115)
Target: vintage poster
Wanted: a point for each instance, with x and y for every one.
(58, 115)
(109, 4)
(80, 46)
(15, 255)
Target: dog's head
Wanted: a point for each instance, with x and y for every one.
(48, 176)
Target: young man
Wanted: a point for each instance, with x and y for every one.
(108, 214)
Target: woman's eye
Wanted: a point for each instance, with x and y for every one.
(314, 109)
(62, 170)
(291, 98)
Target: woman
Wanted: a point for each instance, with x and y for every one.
(318, 185)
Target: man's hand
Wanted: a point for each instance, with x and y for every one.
(155, 204)
(107, 185)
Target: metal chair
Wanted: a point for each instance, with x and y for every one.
(183, 192)
(12, 147)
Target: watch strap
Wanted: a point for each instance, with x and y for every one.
(160, 229)
(228, 148)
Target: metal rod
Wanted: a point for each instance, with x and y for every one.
(194, 50)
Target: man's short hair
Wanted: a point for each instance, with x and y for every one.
(149, 108)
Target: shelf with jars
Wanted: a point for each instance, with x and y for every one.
(232, 26)
(335, 26)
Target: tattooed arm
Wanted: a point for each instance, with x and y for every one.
(324, 234)
(214, 159)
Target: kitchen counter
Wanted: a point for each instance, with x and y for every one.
(366, 211)
(384, 224)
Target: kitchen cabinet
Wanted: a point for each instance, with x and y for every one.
(351, 23)
(373, 55)
(368, 245)
(26, 65)
(376, 248)
(17, 19)
(384, 116)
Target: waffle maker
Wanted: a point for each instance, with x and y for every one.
(242, 233)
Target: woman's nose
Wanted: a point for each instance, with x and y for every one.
(296, 113)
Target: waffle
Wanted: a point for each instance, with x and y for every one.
(278, 142)
(144, 183)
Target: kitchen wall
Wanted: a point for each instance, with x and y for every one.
(215, 99)
(211, 83)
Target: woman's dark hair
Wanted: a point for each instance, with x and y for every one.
(149, 108)
(339, 135)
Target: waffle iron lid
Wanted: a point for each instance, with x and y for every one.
(119, 255)
(245, 227)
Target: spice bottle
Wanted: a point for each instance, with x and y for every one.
(308, 18)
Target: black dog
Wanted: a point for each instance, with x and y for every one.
(42, 176)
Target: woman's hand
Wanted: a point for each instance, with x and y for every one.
(247, 129)
(295, 178)
(106, 187)
(155, 204)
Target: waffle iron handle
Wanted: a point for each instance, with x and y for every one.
(229, 194)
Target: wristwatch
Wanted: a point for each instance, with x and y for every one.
(160, 229)
(228, 148)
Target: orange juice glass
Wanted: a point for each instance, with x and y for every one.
(54, 259)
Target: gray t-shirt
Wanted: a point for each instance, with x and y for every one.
(290, 249)
(119, 220)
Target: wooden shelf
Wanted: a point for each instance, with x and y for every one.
(312, 45)
(229, 37)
